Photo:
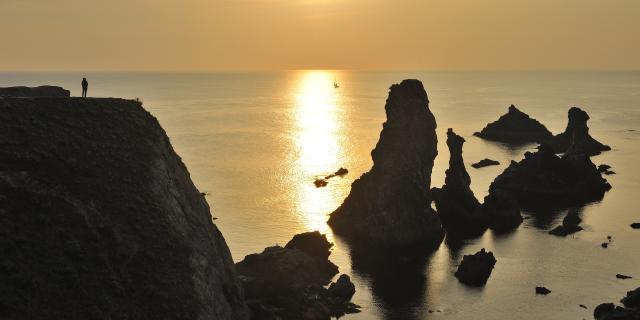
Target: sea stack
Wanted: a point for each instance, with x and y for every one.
(455, 202)
(576, 137)
(545, 178)
(99, 218)
(515, 127)
(389, 206)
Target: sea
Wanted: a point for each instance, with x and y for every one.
(255, 143)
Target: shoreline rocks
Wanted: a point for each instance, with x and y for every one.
(456, 204)
(576, 137)
(474, 270)
(289, 282)
(485, 163)
(33, 92)
(100, 218)
(515, 127)
(389, 206)
(630, 308)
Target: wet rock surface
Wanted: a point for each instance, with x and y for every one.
(576, 137)
(32, 92)
(457, 206)
(474, 270)
(99, 218)
(485, 163)
(515, 127)
(544, 177)
(389, 206)
(630, 309)
(288, 283)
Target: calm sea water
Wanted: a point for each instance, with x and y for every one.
(256, 141)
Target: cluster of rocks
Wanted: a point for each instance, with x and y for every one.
(461, 213)
(288, 282)
(389, 206)
(517, 127)
(322, 182)
(630, 309)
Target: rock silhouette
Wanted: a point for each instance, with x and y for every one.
(389, 206)
(502, 211)
(31, 92)
(474, 270)
(100, 218)
(630, 308)
(485, 163)
(287, 283)
(544, 177)
(576, 137)
(635, 225)
(457, 207)
(570, 224)
(542, 290)
(515, 127)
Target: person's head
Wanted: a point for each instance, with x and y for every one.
(84, 79)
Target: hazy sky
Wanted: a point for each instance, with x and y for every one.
(207, 35)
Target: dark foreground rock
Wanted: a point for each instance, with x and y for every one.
(457, 207)
(485, 163)
(543, 177)
(99, 218)
(542, 291)
(570, 224)
(502, 211)
(32, 92)
(474, 270)
(515, 127)
(389, 206)
(576, 137)
(630, 309)
(288, 283)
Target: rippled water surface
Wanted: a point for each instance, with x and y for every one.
(255, 142)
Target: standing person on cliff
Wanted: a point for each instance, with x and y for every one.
(85, 86)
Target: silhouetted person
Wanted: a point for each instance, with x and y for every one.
(85, 86)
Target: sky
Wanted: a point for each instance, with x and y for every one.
(263, 35)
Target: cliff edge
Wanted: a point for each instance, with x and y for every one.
(99, 218)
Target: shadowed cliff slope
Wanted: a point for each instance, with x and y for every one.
(99, 218)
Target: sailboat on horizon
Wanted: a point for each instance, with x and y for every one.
(335, 84)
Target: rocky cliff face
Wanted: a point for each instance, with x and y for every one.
(99, 218)
(390, 204)
(42, 91)
(457, 206)
(576, 138)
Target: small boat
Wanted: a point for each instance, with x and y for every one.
(335, 84)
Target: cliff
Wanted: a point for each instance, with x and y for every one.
(99, 218)
(42, 91)
(390, 205)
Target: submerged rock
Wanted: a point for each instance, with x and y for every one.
(515, 127)
(288, 282)
(576, 137)
(543, 177)
(457, 207)
(389, 206)
(32, 92)
(485, 163)
(99, 218)
(570, 224)
(630, 310)
(474, 270)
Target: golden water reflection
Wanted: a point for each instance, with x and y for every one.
(318, 117)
